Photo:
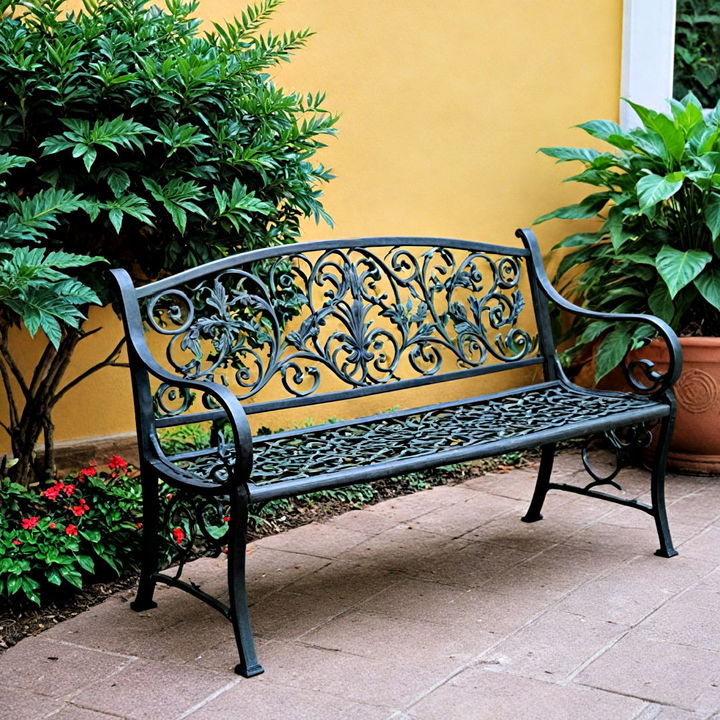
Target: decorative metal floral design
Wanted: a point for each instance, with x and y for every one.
(335, 448)
(364, 316)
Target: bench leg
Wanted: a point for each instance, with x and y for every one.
(239, 614)
(150, 548)
(657, 488)
(542, 484)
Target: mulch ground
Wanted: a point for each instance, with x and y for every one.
(20, 620)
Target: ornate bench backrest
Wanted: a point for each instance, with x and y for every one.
(321, 321)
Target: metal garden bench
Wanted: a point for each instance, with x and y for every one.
(318, 322)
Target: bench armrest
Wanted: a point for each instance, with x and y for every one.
(142, 361)
(658, 383)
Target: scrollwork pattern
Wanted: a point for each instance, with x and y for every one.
(332, 449)
(365, 316)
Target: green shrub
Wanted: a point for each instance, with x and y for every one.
(129, 135)
(60, 535)
(697, 50)
(656, 250)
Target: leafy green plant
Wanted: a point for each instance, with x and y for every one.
(657, 246)
(57, 536)
(697, 50)
(130, 136)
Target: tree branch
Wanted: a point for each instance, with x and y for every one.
(14, 369)
(107, 362)
(12, 405)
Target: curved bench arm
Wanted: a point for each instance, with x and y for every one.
(659, 383)
(142, 360)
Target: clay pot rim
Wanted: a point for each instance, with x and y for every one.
(693, 340)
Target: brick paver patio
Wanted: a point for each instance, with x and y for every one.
(436, 605)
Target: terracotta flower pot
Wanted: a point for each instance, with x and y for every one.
(695, 446)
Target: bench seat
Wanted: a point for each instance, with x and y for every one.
(309, 459)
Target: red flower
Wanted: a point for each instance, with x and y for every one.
(139, 526)
(52, 492)
(29, 523)
(86, 473)
(69, 489)
(81, 508)
(51, 525)
(178, 535)
(226, 518)
(169, 496)
(117, 463)
(16, 542)
(71, 529)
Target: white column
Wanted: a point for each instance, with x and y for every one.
(648, 51)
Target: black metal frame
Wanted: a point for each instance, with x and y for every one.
(354, 272)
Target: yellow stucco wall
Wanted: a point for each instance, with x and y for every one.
(443, 108)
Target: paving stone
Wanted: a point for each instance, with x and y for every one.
(696, 508)
(400, 547)
(629, 593)
(467, 564)
(662, 672)
(515, 484)
(357, 679)
(345, 581)
(480, 694)
(114, 627)
(469, 608)
(462, 517)
(267, 572)
(553, 646)
(363, 521)
(436, 647)
(554, 572)
(630, 540)
(511, 532)
(704, 545)
(689, 619)
(70, 711)
(21, 704)
(54, 668)
(318, 539)
(420, 503)
(148, 690)
(287, 615)
(274, 701)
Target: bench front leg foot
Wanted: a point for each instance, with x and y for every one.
(150, 547)
(239, 613)
(542, 484)
(657, 488)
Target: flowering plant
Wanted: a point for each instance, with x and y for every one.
(76, 527)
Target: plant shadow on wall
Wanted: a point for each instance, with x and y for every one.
(130, 138)
(657, 249)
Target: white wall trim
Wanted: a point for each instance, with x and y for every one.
(647, 55)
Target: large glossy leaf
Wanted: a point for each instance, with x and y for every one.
(712, 215)
(611, 350)
(678, 268)
(565, 154)
(708, 284)
(653, 189)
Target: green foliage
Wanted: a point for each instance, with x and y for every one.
(56, 537)
(697, 50)
(656, 249)
(33, 286)
(129, 134)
